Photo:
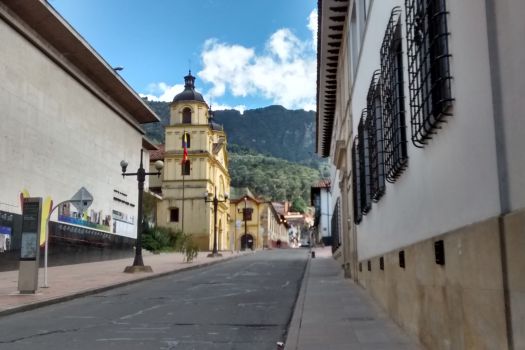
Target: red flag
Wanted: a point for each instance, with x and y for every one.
(185, 153)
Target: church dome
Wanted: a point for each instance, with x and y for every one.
(189, 93)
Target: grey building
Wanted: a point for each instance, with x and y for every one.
(419, 111)
(68, 119)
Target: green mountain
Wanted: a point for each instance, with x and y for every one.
(155, 131)
(273, 178)
(273, 130)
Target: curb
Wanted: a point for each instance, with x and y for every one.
(96, 290)
(292, 334)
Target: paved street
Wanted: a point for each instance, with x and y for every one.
(245, 303)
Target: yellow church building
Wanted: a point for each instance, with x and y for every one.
(204, 171)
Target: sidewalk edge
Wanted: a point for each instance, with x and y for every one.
(292, 334)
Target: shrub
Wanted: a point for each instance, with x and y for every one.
(186, 246)
(160, 239)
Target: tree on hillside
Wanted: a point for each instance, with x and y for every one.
(273, 130)
(299, 204)
(272, 178)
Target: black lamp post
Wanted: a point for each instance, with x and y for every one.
(138, 264)
(215, 201)
(244, 217)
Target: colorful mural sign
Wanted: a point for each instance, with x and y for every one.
(81, 222)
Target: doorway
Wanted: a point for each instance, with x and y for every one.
(246, 241)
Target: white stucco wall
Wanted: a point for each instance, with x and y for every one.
(511, 60)
(326, 213)
(56, 136)
(335, 193)
(451, 182)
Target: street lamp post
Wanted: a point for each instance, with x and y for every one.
(215, 201)
(138, 264)
(244, 217)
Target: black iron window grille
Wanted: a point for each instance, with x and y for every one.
(374, 127)
(364, 164)
(395, 140)
(428, 67)
(336, 226)
(356, 183)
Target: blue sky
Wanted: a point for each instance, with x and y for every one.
(245, 53)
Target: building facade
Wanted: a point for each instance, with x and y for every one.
(419, 111)
(275, 228)
(247, 230)
(196, 165)
(262, 227)
(321, 201)
(68, 119)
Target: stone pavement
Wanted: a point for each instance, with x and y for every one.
(334, 313)
(71, 281)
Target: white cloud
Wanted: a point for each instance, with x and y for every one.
(285, 45)
(162, 91)
(312, 25)
(222, 107)
(224, 65)
(285, 72)
(165, 93)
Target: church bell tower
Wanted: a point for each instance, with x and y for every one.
(196, 162)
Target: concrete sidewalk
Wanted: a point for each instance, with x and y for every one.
(333, 313)
(71, 281)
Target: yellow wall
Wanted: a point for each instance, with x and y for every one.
(208, 172)
(253, 227)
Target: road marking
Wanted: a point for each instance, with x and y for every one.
(140, 312)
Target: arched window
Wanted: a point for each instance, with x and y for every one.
(188, 140)
(185, 168)
(186, 116)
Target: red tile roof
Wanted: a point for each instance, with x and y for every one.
(157, 154)
(323, 183)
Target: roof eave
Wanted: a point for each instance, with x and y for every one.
(43, 19)
(331, 20)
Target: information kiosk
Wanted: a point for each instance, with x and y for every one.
(29, 250)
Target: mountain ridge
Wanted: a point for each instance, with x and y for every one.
(272, 130)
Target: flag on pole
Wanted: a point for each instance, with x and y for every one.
(185, 146)
(47, 206)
